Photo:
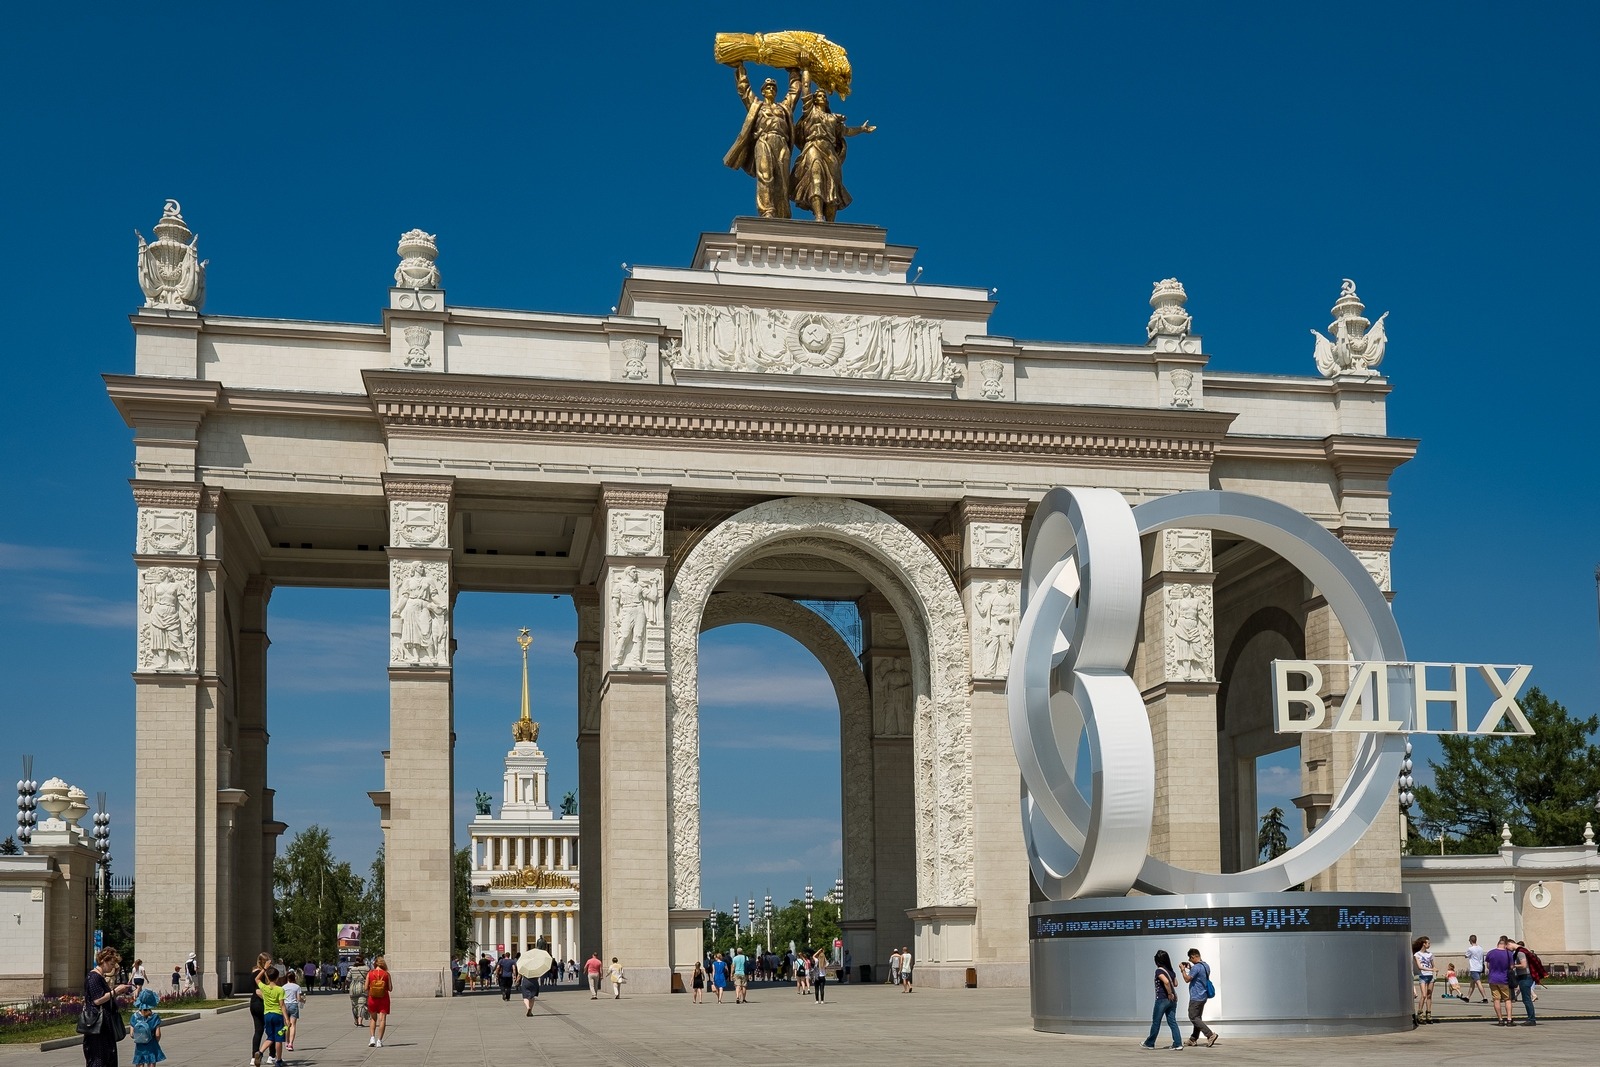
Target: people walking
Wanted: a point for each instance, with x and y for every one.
(905, 970)
(258, 974)
(719, 976)
(292, 991)
(1166, 1002)
(145, 1025)
(1197, 972)
(356, 984)
(894, 967)
(529, 987)
(699, 982)
(617, 978)
(1475, 970)
(270, 986)
(1497, 964)
(741, 977)
(379, 986)
(138, 977)
(593, 968)
(1522, 977)
(100, 1047)
(1422, 953)
(505, 968)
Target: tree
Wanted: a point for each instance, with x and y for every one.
(116, 923)
(1273, 839)
(372, 908)
(1544, 786)
(461, 926)
(312, 895)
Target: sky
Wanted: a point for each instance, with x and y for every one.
(1066, 155)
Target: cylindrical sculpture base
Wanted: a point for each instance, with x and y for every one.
(1282, 963)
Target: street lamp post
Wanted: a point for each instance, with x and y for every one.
(767, 914)
(809, 901)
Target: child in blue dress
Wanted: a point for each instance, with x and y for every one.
(146, 1028)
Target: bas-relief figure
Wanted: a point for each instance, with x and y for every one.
(171, 272)
(1377, 564)
(896, 706)
(995, 606)
(420, 633)
(1189, 647)
(636, 613)
(168, 611)
(166, 532)
(1354, 346)
(770, 340)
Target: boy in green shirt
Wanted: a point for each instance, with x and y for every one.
(271, 989)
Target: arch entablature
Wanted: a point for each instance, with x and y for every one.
(902, 567)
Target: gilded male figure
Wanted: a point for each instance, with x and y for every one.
(762, 148)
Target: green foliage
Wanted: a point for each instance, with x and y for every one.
(372, 908)
(1273, 839)
(461, 925)
(1544, 786)
(116, 922)
(312, 896)
(789, 923)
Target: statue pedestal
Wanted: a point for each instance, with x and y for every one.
(1297, 964)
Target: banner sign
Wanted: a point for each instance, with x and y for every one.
(1313, 919)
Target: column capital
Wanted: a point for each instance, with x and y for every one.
(973, 509)
(152, 494)
(649, 497)
(435, 487)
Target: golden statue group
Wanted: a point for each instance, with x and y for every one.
(799, 160)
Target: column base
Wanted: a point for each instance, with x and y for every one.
(416, 985)
(686, 939)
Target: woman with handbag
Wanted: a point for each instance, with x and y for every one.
(101, 1022)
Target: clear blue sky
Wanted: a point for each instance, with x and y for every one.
(1443, 156)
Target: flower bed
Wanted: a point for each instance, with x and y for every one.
(40, 1019)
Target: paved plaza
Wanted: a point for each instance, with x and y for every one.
(858, 1025)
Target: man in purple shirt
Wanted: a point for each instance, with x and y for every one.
(1498, 962)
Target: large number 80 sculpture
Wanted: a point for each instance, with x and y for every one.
(1082, 599)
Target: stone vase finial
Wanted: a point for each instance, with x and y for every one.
(53, 797)
(77, 805)
(171, 272)
(1167, 316)
(418, 252)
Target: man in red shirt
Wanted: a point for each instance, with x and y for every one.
(379, 985)
(592, 969)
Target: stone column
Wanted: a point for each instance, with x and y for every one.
(991, 582)
(1373, 865)
(586, 599)
(887, 661)
(1175, 669)
(634, 922)
(418, 861)
(179, 709)
(253, 851)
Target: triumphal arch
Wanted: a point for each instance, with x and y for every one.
(792, 416)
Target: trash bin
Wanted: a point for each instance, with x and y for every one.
(866, 973)
(972, 978)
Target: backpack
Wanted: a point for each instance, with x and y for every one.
(376, 987)
(1211, 990)
(144, 1030)
(1536, 966)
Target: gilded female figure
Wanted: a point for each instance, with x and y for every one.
(817, 182)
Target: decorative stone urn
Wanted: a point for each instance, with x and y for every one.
(53, 798)
(77, 805)
(417, 269)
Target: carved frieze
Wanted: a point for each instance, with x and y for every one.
(1377, 564)
(419, 613)
(638, 639)
(894, 700)
(635, 533)
(771, 341)
(589, 691)
(1186, 550)
(166, 532)
(995, 608)
(1190, 634)
(169, 599)
(419, 523)
(993, 544)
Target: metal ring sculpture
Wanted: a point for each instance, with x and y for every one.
(1082, 601)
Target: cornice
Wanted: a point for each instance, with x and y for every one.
(1371, 457)
(647, 497)
(977, 509)
(419, 487)
(516, 408)
(145, 399)
(148, 494)
(1370, 538)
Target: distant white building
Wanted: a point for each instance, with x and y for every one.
(1548, 897)
(525, 860)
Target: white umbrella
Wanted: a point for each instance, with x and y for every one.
(534, 963)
